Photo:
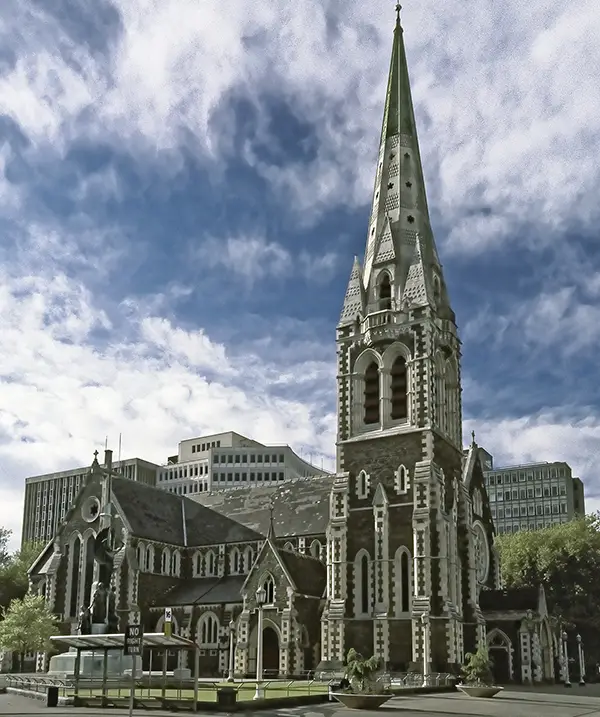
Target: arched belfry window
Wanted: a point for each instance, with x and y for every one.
(385, 293)
(399, 374)
(372, 394)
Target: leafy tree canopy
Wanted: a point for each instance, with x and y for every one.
(28, 625)
(362, 671)
(565, 559)
(14, 581)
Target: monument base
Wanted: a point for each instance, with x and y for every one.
(91, 664)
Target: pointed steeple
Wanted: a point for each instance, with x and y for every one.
(354, 303)
(399, 227)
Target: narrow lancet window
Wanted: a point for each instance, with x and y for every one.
(385, 293)
(399, 389)
(372, 394)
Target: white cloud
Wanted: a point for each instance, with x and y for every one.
(506, 97)
(548, 436)
(152, 381)
(255, 258)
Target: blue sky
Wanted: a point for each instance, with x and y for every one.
(183, 186)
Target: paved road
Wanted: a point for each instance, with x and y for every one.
(543, 702)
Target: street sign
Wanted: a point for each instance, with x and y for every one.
(134, 638)
(168, 622)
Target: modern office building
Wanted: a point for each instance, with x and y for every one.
(49, 496)
(533, 495)
(230, 460)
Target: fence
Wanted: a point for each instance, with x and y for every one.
(153, 686)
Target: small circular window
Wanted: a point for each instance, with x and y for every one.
(91, 509)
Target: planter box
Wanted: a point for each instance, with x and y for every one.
(354, 701)
(479, 690)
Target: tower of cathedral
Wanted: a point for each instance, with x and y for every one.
(402, 543)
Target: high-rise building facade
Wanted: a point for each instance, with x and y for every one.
(48, 497)
(230, 460)
(533, 495)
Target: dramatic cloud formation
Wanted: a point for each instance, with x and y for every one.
(183, 186)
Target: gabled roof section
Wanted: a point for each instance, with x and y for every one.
(385, 249)
(269, 547)
(308, 573)
(469, 460)
(157, 515)
(300, 507)
(354, 299)
(205, 591)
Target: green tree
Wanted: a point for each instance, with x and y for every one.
(4, 538)
(361, 671)
(478, 668)
(14, 581)
(27, 626)
(565, 559)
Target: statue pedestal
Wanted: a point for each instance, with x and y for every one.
(99, 628)
(91, 664)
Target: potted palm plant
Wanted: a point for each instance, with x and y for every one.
(362, 691)
(478, 675)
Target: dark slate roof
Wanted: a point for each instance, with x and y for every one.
(307, 572)
(519, 599)
(157, 515)
(300, 507)
(205, 591)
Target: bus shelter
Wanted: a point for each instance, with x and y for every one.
(105, 644)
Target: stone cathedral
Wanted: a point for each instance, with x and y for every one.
(393, 555)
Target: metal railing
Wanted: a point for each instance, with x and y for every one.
(154, 686)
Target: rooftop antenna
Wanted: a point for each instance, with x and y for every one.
(119, 451)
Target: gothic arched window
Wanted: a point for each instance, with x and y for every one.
(385, 293)
(210, 563)
(149, 559)
(399, 375)
(140, 556)
(371, 404)
(208, 631)
(175, 563)
(364, 586)
(234, 561)
(269, 588)
(165, 562)
(75, 572)
(249, 558)
(403, 581)
(315, 549)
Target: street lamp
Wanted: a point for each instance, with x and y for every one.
(566, 660)
(261, 598)
(231, 651)
(529, 624)
(581, 662)
(425, 623)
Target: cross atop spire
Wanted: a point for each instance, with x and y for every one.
(271, 533)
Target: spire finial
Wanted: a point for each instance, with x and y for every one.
(398, 8)
(271, 533)
(473, 436)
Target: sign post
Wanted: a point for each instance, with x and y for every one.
(168, 622)
(134, 641)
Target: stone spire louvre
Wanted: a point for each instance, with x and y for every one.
(399, 192)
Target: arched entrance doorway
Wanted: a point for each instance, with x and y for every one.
(500, 653)
(270, 652)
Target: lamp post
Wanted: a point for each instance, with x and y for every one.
(425, 623)
(231, 651)
(581, 662)
(529, 625)
(566, 660)
(261, 596)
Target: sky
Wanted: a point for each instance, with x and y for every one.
(184, 184)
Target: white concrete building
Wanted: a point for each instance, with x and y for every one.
(230, 460)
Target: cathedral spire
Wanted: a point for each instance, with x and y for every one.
(399, 233)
